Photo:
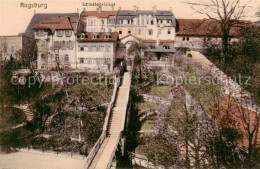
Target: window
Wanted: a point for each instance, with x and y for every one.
(98, 48)
(183, 38)
(95, 36)
(188, 38)
(83, 35)
(169, 31)
(70, 44)
(89, 61)
(151, 22)
(82, 48)
(120, 32)
(68, 33)
(98, 61)
(128, 21)
(138, 21)
(150, 31)
(63, 45)
(107, 36)
(89, 48)
(41, 32)
(59, 33)
(147, 22)
(56, 44)
(168, 21)
(81, 60)
(66, 58)
(107, 61)
(106, 48)
(102, 22)
(140, 31)
(129, 31)
(152, 46)
(57, 58)
(143, 21)
(42, 57)
(166, 47)
(161, 21)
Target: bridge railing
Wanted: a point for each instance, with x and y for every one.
(104, 132)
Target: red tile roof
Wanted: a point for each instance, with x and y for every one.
(58, 23)
(161, 41)
(114, 36)
(201, 27)
(103, 14)
(240, 115)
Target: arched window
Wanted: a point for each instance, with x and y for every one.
(95, 36)
(66, 58)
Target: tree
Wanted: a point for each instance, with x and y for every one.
(228, 13)
(136, 49)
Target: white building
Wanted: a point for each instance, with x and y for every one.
(56, 42)
(99, 21)
(97, 51)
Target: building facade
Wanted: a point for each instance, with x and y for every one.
(56, 41)
(148, 25)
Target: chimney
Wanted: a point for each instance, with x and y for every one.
(135, 8)
(154, 8)
(157, 41)
(99, 9)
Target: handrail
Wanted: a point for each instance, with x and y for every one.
(94, 150)
(102, 137)
(111, 104)
(114, 151)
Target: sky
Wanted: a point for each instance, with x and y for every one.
(14, 18)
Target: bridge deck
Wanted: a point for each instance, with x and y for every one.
(105, 152)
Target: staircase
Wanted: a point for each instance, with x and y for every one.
(29, 115)
(116, 123)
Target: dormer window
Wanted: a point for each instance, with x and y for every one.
(107, 36)
(152, 46)
(68, 33)
(166, 47)
(95, 36)
(83, 36)
(59, 33)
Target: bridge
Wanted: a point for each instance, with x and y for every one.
(103, 152)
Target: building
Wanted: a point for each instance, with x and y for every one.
(97, 51)
(40, 17)
(12, 45)
(148, 25)
(57, 41)
(99, 21)
(193, 33)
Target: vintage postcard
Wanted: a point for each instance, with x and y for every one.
(99, 84)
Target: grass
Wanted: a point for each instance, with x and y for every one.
(148, 123)
(146, 107)
(11, 117)
(202, 90)
(160, 91)
(173, 71)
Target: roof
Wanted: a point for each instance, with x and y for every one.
(102, 14)
(159, 14)
(202, 27)
(114, 36)
(65, 22)
(39, 17)
(230, 106)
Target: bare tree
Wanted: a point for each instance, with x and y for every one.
(228, 13)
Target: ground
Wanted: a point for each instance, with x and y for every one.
(26, 160)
